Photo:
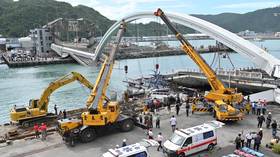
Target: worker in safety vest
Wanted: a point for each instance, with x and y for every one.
(43, 129)
(36, 129)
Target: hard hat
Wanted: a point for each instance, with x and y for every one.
(124, 140)
(117, 146)
(269, 112)
(261, 114)
(260, 129)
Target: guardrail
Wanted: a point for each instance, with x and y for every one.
(229, 73)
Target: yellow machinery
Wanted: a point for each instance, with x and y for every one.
(102, 112)
(221, 96)
(37, 111)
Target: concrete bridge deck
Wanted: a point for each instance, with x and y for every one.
(246, 81)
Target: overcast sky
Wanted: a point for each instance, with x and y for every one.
(116, 9)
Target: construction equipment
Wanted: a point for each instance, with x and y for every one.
(37, 111)
(223, 97)
(102, 113)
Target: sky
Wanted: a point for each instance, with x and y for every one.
(116, 9)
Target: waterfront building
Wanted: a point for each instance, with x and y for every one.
(12, 43)
(42, 40)
(247, 33)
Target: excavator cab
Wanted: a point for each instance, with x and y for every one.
(33, 103)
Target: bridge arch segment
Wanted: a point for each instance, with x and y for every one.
(258, 56)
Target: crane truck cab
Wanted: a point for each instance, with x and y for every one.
(188, 141)
(134, 150)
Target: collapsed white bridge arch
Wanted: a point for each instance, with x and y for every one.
(258, 56)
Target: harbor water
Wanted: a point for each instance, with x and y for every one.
(18, 85)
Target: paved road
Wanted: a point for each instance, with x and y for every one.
(55, 147)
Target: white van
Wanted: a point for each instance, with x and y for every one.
(188, 141)
(134, 150)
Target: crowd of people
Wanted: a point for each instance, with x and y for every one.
(151, 115)
(258, 108)
(40, 130)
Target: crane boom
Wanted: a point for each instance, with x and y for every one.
(214, 82)
(219, 92)
(98, 94)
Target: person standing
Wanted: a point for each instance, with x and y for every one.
(55, 109)
(64, 114)
(178, 104)
(157, 120)
(36, 129)
(173, 123)
(257, 142)
(150, 134)
(187, 108)
(151, 121)
(264, 104)
(254, 107)
(238, 141)
(177, 109)
(258, 106)
(141, 118)
(159, 140)
(274, 128)
(124, 143)
(268, 120)
(43, 129)
(169, 107)
(261, 133)
(261, 119)
(60, 114)
(242, 139)
(146, 119)
(248, 140)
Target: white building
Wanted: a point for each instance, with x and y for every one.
(247, 33)
(42, 40)
(26, 43)
(12, 43)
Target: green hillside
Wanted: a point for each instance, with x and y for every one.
(17, 18)
(262, 20)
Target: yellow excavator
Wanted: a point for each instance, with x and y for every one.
(37, 111)
(102, 112)
(222, 97)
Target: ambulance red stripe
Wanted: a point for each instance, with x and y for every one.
(195, 146)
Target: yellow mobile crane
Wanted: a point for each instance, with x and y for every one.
(37, 111)
(102, 112)
(222, 97)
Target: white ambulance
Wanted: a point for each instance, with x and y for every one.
(134, 150)
(188, 141)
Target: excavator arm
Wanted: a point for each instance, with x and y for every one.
(219, 92)
(43, 102)
(38, 108)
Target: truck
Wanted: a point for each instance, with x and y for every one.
(222, 97)
(102, 113)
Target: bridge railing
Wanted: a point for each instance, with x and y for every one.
(232, 73)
